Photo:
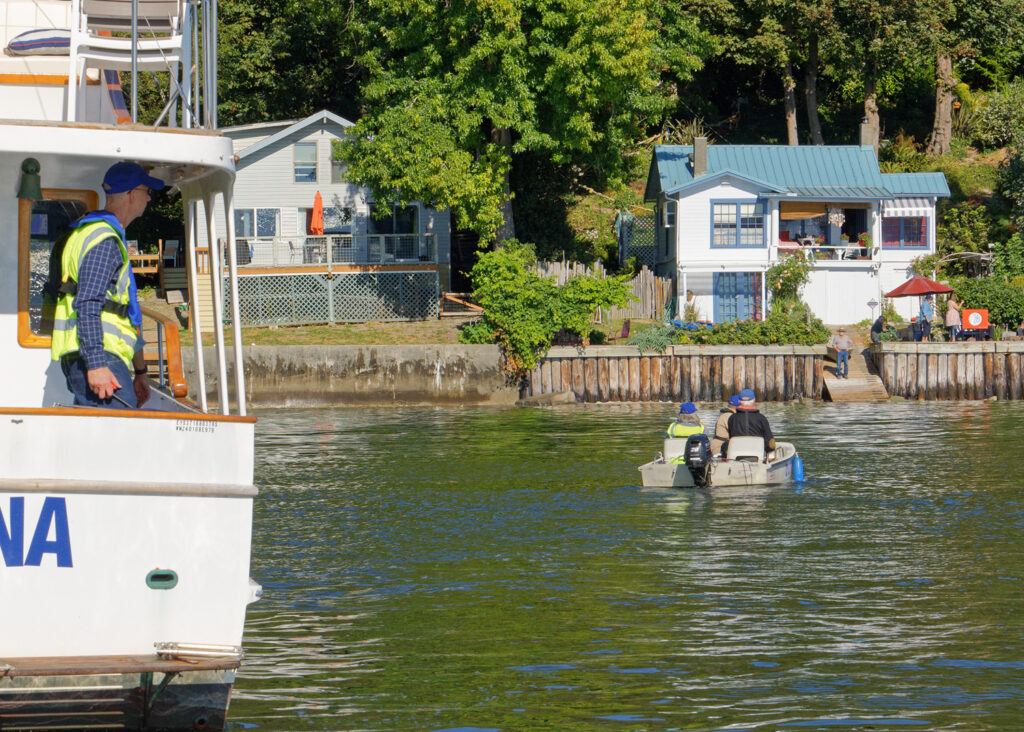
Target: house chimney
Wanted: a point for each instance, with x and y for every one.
(868, 136)
(700, 156)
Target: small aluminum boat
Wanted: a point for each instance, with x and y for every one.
(688, 463)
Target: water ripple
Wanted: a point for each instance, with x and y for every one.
(480, 569)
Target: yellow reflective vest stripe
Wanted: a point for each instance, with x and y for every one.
(678, 429)
(119, 335)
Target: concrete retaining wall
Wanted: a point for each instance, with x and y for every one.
(278, 376)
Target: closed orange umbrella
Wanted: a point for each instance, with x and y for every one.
(316, 225)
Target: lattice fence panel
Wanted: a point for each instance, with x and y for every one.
(361, 296)
(346, 297)
(642, 244)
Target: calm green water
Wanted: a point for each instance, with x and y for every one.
(474, 569)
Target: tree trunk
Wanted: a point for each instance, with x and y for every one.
(811, 91)
(503, 136)
(942, 129)
(789, 95)
(871, 107)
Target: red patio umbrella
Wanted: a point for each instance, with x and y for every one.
(918, 285)
(316, 224)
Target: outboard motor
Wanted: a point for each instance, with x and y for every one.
(698, 458)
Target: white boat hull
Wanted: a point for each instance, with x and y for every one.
(779, 469)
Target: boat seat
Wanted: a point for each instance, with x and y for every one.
(675, 447)
(748, 449)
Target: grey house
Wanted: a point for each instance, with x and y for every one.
(365, 265)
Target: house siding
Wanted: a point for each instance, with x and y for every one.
(266, 179)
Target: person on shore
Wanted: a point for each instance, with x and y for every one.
(686, 423)
(97, 319)
(720, 441)
(953, 321)
(843, 345)
(877, 327)
(925, 318)
(749, 422)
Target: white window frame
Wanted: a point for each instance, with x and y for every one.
(305, 163)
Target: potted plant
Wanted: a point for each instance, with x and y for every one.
(864, 240)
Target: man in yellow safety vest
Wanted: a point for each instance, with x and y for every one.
(97, 321)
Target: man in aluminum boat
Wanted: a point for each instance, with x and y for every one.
(96, 330)
(749, 422)
(720, 441)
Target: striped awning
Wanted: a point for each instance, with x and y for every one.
(907, 207)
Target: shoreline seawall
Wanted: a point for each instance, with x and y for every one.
(287, 376)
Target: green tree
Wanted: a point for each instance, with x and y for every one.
(877, 42)
(284, 60)
(456, 89)
(958, 31)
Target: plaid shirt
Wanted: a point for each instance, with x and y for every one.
(96, 275)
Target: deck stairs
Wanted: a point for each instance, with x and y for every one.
(863, 384)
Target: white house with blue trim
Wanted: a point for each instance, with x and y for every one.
(726, 213)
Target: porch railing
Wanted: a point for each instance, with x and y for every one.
(335, 249)
(827, 253)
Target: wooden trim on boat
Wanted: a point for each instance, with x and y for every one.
(172, 352)
(336, 269)
(123, 413)
(26, 338)
(55, 486)
(87, 665)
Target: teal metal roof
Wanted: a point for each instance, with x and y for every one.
(802, 171)
(916, 184)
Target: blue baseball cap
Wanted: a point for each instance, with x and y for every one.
(687, 408)
(747, 395)
(734, 400)
(123, 177)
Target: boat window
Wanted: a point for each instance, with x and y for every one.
(40, 224)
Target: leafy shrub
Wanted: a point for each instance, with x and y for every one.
(786, 278)
(1002, 118)
(522, 311)
(1008, 256)
(1003, 299)
(964, 228)
(1011, 182)
(777, 328)
(901, 155)
(655, 338)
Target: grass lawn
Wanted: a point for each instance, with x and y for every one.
(415, 332)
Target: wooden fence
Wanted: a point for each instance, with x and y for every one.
(951, 371)
(653, 294)
(682, 373)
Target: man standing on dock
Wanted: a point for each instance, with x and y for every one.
(843, 345)
(97, 319)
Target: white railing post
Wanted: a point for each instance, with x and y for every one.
(192, 234)
(217, 296)
(236, 309)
